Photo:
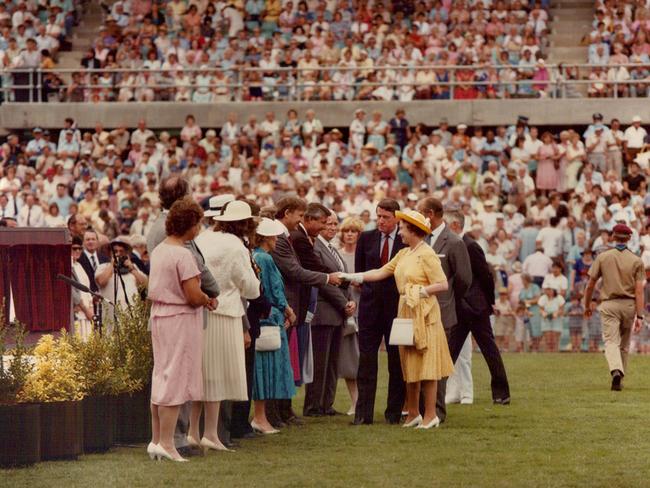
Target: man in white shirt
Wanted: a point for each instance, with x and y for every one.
(634, 138)
(537, 265)
(552, 238)
(141, 134)
(31, 215)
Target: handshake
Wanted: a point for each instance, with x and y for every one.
(338, 278)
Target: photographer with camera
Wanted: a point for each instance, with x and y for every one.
(119, 279)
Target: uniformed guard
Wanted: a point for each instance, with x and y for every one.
(622, 307)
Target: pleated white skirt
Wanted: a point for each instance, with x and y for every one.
(224, 361)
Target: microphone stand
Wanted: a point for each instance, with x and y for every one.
(98, 299)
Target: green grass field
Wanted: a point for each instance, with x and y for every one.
(564, 428)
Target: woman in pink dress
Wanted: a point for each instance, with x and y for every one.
(548, 157)
(176, 326)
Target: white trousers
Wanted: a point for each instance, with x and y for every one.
(460, 385)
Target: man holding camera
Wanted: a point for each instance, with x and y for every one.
(118, 280)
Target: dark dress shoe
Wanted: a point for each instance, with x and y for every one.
(501, 401)
(247, 435)
(232, 445)
(360, 421)
(331, 412)
(617, 376)
(312, 413)
(295, 421)
(188, 451)
(393, 420)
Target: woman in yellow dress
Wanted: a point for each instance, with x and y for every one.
(419, 276)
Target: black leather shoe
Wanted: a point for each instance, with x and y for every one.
(331, 412)
(617, 376)
(312, 413)
(247, 435)
(188, 451)
(501, 401)
(232, 445)
(295, 421)
(360, 421)
(393, 420)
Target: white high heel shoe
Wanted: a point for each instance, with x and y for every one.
(191, 441)
(414, 423)
(256, 427)
(207, 444)
(434, 423)
(152, 450)
(353, 409)
(162, 453)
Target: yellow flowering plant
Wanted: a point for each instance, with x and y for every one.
(56, 376)
(13, 375)
(131, 344)
(101, 373)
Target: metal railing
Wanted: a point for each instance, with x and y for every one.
(295, 84)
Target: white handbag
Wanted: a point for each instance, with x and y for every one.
(401, 333)
(269, 339)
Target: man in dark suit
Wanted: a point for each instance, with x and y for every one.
(332, 310)
(474, 310)
(456, 265)
(377, 309)
(290, 212)
(90, 258)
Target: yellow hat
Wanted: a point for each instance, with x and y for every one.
(415, 218)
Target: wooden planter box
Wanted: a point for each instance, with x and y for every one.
(98, 423)
(20, 431)
(61, 430)
(133, 417)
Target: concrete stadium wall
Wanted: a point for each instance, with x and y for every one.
(332, 114)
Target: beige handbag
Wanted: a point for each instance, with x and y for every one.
(401, 333)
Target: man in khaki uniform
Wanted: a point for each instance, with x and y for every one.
(622, 296)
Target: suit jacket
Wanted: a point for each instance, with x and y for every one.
(88, 268)
(456, 265)
(378, 300)
(479, 298)
(330, 309)
(304, 247)
(157, 234)
(295, 276)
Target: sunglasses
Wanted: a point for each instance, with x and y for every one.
(77, 248)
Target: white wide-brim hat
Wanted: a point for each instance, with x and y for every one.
(237, 210)
(216, 204)
(268, 228)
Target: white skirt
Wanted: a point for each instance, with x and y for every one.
(224, 360)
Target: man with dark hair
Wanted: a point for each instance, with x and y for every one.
(77, 225)
(622, 294)
(377, 309)
(298, 280)
(171, 189)
(456, 265)
(474, 308)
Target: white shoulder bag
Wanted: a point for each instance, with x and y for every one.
(269, 339)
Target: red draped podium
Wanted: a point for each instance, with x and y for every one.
(30, 260)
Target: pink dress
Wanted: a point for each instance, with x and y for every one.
(547, 175)
(176, 328)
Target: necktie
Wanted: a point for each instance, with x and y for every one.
(93, 261)
(29, 216)
(338, 259)
(384, 250)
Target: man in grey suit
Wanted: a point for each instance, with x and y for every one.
(172, 189)
(455, 263)
(290, 212)
(332, 310)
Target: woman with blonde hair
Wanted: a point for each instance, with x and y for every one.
(348, 362)
(419, 277)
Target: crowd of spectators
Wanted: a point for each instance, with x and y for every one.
(620, 37)
(31, 36)
(540, 205)
(206, 51)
